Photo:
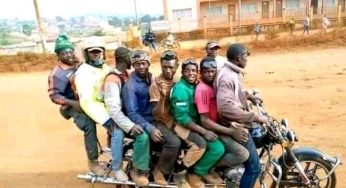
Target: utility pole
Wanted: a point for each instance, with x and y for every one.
(41, 32)
(134, 1)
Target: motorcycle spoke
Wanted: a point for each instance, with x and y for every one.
(307, 167)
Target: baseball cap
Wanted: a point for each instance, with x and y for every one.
(95, 48)
(212, 44)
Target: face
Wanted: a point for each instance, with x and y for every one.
(94, 55)
(190, 73)
(208, 75)
(141, 68)
(169, 67)
(212, 52)
(128, 62)
(242, 59)
(67, 56)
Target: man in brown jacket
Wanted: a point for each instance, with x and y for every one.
(232, 107)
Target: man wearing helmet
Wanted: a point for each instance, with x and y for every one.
(89, 81)
(137, 104)
(61, 93)
(232, 107)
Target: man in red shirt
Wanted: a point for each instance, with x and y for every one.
(205, 100)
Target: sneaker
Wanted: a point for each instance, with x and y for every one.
(95, 168)
(180, 180)
(159, 178)
(195, 181)
(140, 179)
(119, 175)
(213, 178)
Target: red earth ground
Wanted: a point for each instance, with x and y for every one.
(41, 149)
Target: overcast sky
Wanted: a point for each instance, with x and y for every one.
(68, 8)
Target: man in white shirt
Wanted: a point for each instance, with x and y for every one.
(212, 49)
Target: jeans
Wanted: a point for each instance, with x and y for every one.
(153, 45)
(116, 144)
(169, 148)
(252, 166)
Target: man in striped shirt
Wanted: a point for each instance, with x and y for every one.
(61, 93)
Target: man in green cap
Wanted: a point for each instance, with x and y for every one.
(61, 93)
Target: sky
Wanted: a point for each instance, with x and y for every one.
(24, 9)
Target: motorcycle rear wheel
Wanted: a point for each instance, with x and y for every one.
(315, 168)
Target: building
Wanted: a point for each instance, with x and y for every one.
(199, 14)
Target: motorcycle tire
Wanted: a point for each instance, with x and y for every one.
(161, 48)
(176, 45)
(290, 173)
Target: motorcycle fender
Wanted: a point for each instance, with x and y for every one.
(308, 151)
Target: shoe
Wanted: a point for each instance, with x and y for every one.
(139, 178)
(95, 168)
(180, 180)
(119, 175)
(159, 178)
(213, 178)
(195, 181)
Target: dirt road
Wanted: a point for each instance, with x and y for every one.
(41, 149)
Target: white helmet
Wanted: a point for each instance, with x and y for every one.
(94, 43)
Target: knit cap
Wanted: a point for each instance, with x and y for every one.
(62, 43)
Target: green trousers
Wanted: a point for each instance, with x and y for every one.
(211, 156)
(141, 149)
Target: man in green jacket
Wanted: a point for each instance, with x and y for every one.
(205, 149)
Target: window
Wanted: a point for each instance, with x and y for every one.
(248, 9)
(292, 4)
(329, 2)
(182, 13)
(215, 10)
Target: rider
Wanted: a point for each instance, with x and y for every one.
(159, 96)
(137, 104)
(212, 48)
(61, 93)
(232, 107)
(89, 81)
(150, 37)
(114, 81)
(204, 147)
(205, 100)
(169, 40)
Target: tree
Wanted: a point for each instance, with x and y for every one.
(4, 37)
(145, 19)
(127, 21)
(161, 17)
(115, 21)
(27, 29)
(59, 19)
(99, 33)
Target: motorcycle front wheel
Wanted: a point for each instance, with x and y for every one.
(314, 167)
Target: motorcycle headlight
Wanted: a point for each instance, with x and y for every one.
(284, 122)
(291, 136)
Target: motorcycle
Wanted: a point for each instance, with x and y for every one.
(296, 167)
(163, 45)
